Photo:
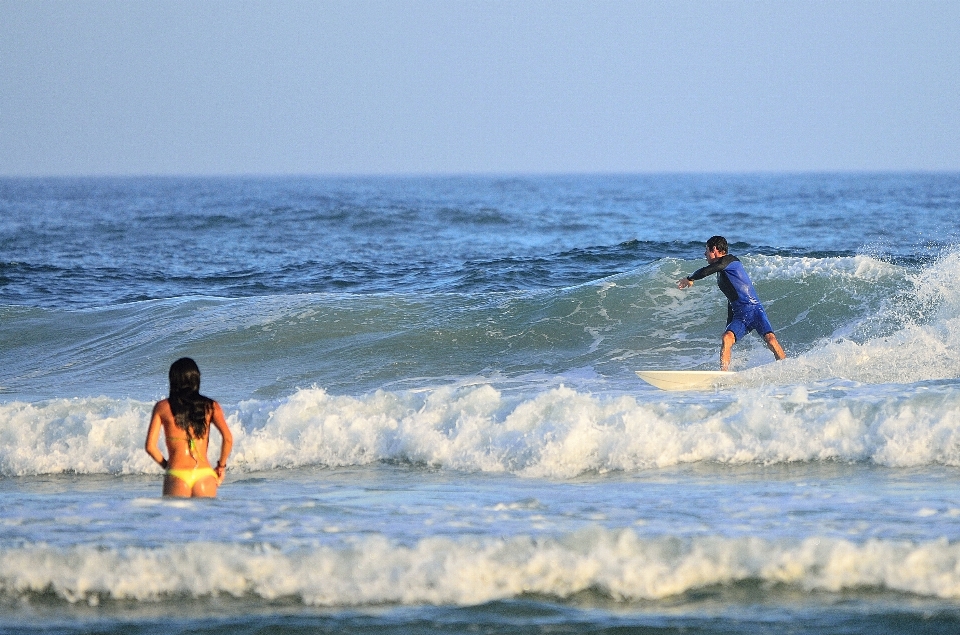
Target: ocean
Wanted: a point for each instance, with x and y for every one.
(438, 426)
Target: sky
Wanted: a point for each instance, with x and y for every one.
(210, 87)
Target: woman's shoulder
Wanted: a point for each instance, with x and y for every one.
(163, 409)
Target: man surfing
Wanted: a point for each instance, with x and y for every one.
(744, 311)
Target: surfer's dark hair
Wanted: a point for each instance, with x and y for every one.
(717, 242)
(189, 407)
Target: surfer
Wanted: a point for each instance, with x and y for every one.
(185, 417)
(744, 311)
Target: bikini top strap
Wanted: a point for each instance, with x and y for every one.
(191, 446)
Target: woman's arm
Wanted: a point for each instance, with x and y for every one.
(226, 444)
(153, 438)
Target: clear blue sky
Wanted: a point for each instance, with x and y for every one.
(464, 86)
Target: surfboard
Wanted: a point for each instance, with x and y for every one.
(686, 379)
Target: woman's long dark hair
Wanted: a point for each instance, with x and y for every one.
(189, 407)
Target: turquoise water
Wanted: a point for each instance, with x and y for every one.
(438, 426)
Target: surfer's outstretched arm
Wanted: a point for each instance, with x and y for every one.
(714, 267)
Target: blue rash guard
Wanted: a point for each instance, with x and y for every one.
(744, 311)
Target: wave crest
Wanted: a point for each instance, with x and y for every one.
(616, 563)
(557, 433)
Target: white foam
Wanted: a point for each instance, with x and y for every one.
(562, 432)
(863, 268)
(373, 570)
(919, 336)
(79, 435)
(555, 433)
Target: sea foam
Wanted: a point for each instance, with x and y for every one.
(913, 335)
(616, 563)
(555, 433)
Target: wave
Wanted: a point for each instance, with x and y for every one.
(538, 384)
(372, 570)
(557, 433)
(348, 343)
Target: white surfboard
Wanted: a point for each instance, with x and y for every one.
(686, 379)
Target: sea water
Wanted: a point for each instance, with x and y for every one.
(437, 424)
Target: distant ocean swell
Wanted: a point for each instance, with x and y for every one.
(614, 563)
(556, 433)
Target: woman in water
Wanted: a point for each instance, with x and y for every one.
(185, 417)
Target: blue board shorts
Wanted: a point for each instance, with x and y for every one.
(748, 318)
